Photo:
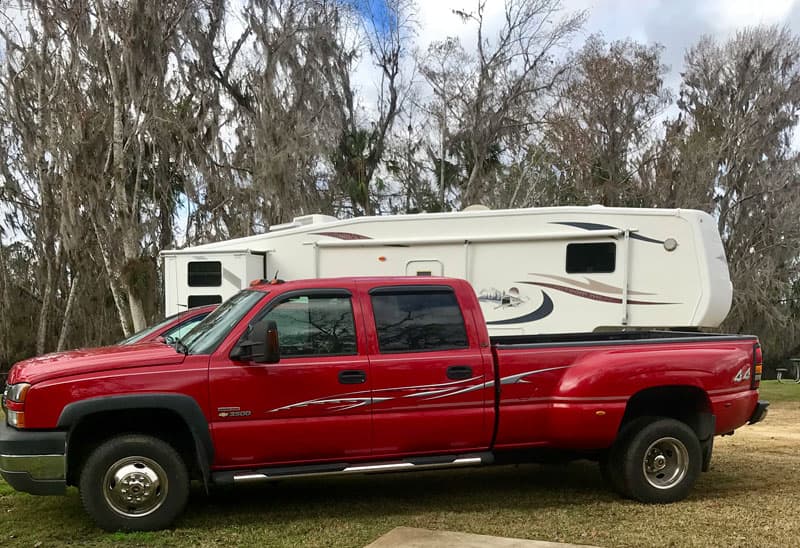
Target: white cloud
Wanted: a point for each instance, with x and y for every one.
(726, 15)
(675, 24)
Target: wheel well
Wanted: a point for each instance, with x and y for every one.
(96, 428)
(687, 404)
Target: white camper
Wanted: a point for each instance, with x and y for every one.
(536, 271)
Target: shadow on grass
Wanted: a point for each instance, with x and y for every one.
(365, 496)
(522, 488)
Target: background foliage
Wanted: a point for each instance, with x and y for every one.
(130, 126)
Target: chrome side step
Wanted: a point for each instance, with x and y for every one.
(422, 463)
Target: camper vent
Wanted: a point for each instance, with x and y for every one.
(315, 219)
(304, 220)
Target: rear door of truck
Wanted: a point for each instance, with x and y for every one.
(428, 371)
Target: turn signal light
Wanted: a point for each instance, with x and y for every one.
(15, 418)
(15, 413)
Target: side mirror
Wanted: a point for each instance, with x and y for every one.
(272, 347)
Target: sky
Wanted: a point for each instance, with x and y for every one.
(675, 24)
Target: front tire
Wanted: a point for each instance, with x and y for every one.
(661, 462)
(134, 483)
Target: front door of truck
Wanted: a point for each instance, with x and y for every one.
(313, 404)
(429, 378)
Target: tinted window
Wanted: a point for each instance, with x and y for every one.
(588, 258)
(202, 300)
(418, 321)
(312, 325)
(208, 334)
(180, 330)
(205, 274)
(148, 331)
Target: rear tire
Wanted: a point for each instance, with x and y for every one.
(660, 461)
(611, 463)
(134, 483)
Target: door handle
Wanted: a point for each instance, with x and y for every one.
(458, 372)
(352, 376)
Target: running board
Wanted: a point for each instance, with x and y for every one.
(338, 469)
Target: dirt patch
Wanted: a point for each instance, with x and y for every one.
(780, 430)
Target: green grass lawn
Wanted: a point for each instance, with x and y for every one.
(775, 392)
(738, 503)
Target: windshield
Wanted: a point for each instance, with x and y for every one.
(208, 334)
(147, 331)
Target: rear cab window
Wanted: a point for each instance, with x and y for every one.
(417, 319)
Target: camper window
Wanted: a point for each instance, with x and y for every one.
(203, 300)
(591, 258)
(205, 274)
(418, 322)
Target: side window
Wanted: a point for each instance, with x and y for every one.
(313, 325)
(418, 321)
(590, 258)
(205, 274)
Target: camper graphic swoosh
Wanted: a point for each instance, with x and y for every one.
(589, 284)
(589, 295)
(343, 235)
(598, 226)
(544, 310)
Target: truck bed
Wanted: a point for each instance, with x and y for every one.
(573, 390)
(613, 337)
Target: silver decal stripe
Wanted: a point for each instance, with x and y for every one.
(425, 392)
(520, 377)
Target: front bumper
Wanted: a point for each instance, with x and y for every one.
(759, 413)
(33, 461)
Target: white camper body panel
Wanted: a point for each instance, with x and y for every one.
(530, 268)
(237, 268)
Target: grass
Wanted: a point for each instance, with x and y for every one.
(743, 501)
(775, 392)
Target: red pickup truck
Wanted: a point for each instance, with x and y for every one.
(371, 374)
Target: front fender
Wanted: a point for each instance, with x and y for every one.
(184, 406)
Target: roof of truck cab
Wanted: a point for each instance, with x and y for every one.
(332, 283)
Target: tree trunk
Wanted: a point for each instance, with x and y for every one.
(44, 310)
(113, 284)
(469, 192)
(5, 342)
(127, 208)
(65, 324)
(135, 305)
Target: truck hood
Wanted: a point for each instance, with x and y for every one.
(90, 360)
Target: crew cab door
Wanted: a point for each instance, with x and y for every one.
(313, 405)
(428, 372)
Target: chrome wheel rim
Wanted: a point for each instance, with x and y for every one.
(135, 486)
(665, 463)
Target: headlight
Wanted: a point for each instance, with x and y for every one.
(16, 392)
